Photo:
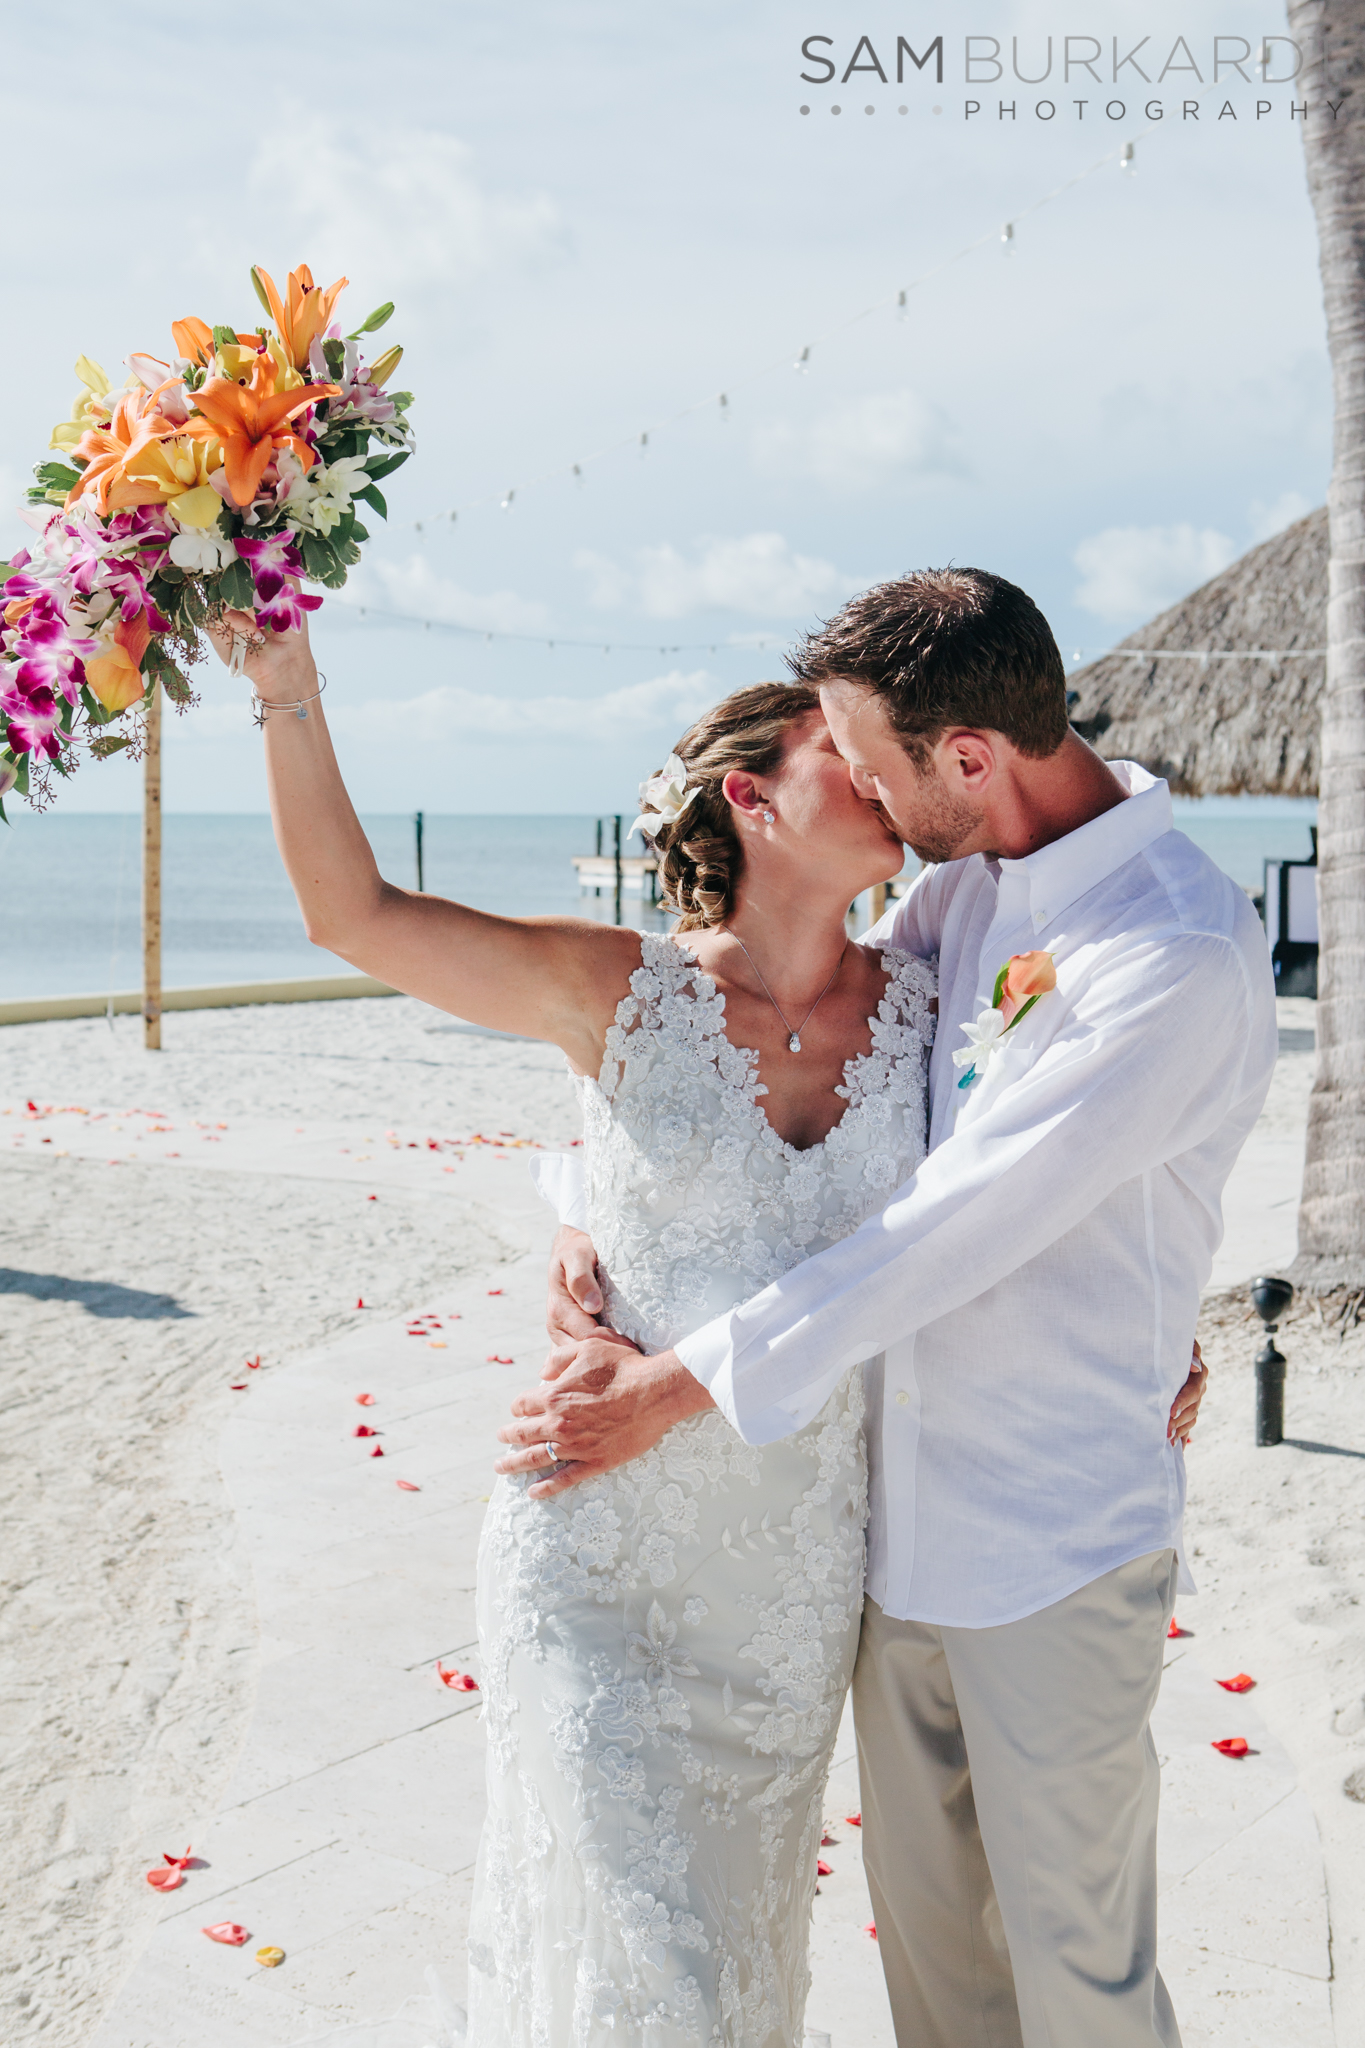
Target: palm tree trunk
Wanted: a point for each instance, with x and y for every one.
(1331, 35)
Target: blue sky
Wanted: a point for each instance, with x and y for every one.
(592, 216)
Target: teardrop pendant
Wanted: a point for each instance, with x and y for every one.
(794, 1043)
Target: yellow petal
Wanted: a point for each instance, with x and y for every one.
(199, 507)
(114, 679)
(386, 366)
(66, 434)
(91, 375)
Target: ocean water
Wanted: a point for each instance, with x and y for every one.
(72, 886)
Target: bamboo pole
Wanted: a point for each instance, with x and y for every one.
(876, 903)
(151, 874)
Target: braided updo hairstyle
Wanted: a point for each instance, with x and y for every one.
(700, 855)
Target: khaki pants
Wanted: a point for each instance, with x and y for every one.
(1009, 1787)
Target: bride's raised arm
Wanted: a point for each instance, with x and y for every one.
(552, 978)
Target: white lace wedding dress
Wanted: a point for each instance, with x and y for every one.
(666, 1650)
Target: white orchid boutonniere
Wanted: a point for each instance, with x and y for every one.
(1019, 984)
(665, 797)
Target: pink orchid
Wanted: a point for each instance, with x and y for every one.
(276, 566)
(30, 715)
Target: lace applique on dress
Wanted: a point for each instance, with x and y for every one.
(667, 1649)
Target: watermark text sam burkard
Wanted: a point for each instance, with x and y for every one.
(1123, 61)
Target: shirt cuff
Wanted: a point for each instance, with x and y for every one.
(558, 1178)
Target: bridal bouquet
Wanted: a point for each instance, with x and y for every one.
(221, 477)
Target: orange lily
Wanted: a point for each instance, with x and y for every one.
(253, 423)
(116, 678)
(193, 340)
(307, 313)
(133, 423)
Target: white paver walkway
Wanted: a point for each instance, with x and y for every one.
(347, 1835)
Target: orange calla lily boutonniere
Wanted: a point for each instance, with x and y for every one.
(1021, 982)
(223, 477)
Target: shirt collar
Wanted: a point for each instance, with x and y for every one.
(1058, 874)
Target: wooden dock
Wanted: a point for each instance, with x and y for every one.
(639, 874)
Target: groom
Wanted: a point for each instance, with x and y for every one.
(1032, 1293)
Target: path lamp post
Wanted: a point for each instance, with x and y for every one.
(1271, 1298)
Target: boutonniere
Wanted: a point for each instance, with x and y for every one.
(1021, 981)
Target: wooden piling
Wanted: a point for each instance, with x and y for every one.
(151, 873)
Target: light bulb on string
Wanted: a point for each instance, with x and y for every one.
(578, 474)
(506, 503)
(901, 299)
(802, 361)
(453, 517)
(1007, 236)
(1127, 158)
(724, 409)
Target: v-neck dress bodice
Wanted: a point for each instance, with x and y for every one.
(666, 1649)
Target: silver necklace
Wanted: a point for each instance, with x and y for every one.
(794, 1039)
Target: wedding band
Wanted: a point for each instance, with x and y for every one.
(553, 1450)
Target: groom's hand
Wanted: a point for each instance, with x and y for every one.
(601, 1404)
(575, 1297)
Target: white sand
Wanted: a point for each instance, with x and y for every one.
(133, 1293)
(131, 1296)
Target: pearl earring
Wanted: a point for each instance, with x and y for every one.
(770, 817)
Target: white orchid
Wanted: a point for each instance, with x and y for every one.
(666, 796)
(201, 550)
(983, 1042)
(319, 498)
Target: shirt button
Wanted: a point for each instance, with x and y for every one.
(902, 1399)
(1039, 919)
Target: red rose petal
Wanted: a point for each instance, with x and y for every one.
(496, 1358)
(178, 1862)
(358, 1302)
(228, 1932)
(824, 1869)
(371, 1198)
(828, 1841)
(378, 1450)
(458, 1681)
(871, 1928)
(496, 1290)
(165, 1880)
(855, 1820)
(1243, 1682)
(1176, 1630)
(365, 1400)
(363, 1429)
(253, 1364)
(1232, 1745)
(238, 1386)
(408, 1487)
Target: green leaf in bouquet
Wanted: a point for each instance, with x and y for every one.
(224, 337)
(57, 473)
(372, 495)
(174, 682)
(382, 465)
(192, 606)
(110, 743)
(323, 561)
(375, 321)
(401, 399)
(234, 586)
(335, 354)
(21, 774)
(94, 710)
(358, 532)
(170, 573)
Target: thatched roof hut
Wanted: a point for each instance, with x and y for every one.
(1221, 727)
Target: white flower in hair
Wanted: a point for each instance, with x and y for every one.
(667, 796)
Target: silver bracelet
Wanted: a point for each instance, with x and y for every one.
(262, 706)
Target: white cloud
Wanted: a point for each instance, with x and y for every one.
(757, 573)
(414, 589)
(879, 438)
(1268, 520)
(669, 702)
(399, 203)
(1131, 572)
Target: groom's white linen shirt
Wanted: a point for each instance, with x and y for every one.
(1034, 1288)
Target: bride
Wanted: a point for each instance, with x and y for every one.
(666, 1648)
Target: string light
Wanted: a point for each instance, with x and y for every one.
(1127, 160)
(896, 301)
(487, 634)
